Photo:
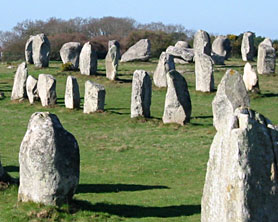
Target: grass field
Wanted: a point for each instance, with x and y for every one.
(131, 169)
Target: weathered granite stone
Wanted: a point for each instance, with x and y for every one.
(222, 46)
(141, 51)
(70, 53)
(19, 87)
(250, 78)
(141, 94)
(217, 59)
(117, 44)
(111, 62)
(177, 107)
(202, 42)
(266, 57)
(241, 179)
(31, 88)
(29, 50)
(41, 50)
(182, 44)
(72, 96)
(49, 162)
(47, 89)
(88, 60)
(231, 94)
(247, 46)
(204, 73)
(165, 64)
(180, 61)
(185, 54)
(94, 98)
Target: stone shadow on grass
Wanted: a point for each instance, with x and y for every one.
(114, 188)
(11, 168)
(135, 211)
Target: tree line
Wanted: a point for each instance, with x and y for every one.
(99, 31)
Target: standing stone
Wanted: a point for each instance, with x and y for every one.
(19, 87)
(247, 46)
(222, 46)
(141, 94)
(231, 94)
(111, 62)
(202, 42)
(182, 44)
(94, 98)
(117, 44)
(165, 64)
(250, 78)
(241, 179)
(70, 53)
(177, 107)
(141, 51)
(72, 96)
(49, 162)
(41, 50)
(266, 57)
(204, 73)
(181, 55)
(31, 87)
(29, 50)
(88, 60)
(47, 89)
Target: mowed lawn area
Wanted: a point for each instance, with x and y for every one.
(131, 169)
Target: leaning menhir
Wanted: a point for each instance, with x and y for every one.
(202, 42)
(241, 180)
(88, 60)
(70, 52)
(72, 95)
(247, 46)
(41, 50)
(177, 107)
(47, 89)
(141, 94)
(141, 51)
(204, 73)
(19, 86)
(266, 57)
(94, 98)
(165, 64)
(49, 162)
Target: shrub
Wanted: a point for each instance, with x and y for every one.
(67, 67)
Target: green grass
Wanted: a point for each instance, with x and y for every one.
(131, 169)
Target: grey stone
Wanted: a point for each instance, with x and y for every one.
(177, 107)
(47, 89)
(250, 78)
(266, 57)
(180, 61)
(222, 46)
(111, 62)
(31, 88)
(182, 44)
(141, 94)
(141, 51)
(185, 54)
(88, 60)
(41, 50)
(117, 44)
(72, 96)
(231, 94)
(165, 64)
(29, 50)
(202, 42)
(19, 87)
(70, 52)
(204, 73)
(94, 98)
(241, 179)
(217, 59)
(49, 162)
(247, 46)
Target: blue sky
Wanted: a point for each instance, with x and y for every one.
(214, 16)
